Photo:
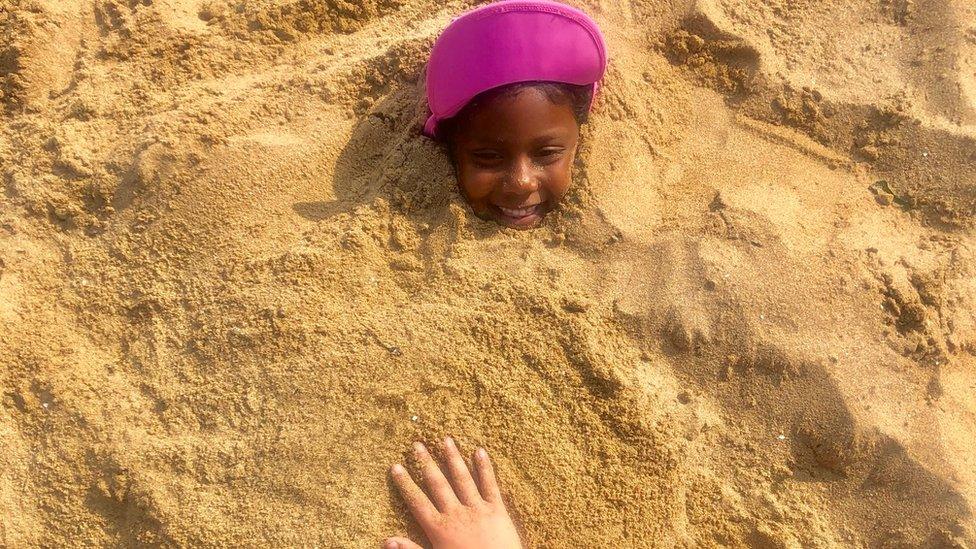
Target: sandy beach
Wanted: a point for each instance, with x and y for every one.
(236, 282)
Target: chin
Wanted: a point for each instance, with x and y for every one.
(521, 225)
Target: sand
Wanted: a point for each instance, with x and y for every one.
(235, 283)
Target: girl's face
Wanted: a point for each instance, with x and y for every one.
(514, 157)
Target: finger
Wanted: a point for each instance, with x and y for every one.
(440, 490)
(464, 485)
(487, 483)
(400, 543)
(420, 506)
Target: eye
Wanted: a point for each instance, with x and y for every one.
(486, 157)
(549, 154)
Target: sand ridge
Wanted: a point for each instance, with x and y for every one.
(235, 283)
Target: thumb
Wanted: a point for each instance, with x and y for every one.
(400, 543)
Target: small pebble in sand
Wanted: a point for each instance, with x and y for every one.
(884, 199)
(413, 418)
(781, 437)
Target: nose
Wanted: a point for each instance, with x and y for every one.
(522, 177)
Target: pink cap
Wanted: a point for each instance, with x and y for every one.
(508, 42)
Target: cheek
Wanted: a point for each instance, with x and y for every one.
(476, 184)
(559, 176)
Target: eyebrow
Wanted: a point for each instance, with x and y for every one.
(547, 137)
(540, 140)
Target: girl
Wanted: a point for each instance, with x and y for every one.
(508, 86)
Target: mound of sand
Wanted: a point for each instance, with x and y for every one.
(235, 283)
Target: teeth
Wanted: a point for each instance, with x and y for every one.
(520, 212)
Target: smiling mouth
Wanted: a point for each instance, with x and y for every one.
(518, 213)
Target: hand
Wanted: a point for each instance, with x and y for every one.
(464, 513)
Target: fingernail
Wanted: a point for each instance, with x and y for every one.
(397, 470)
(419, 447)
(391, 544)
(482, 453)
(449, 442)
